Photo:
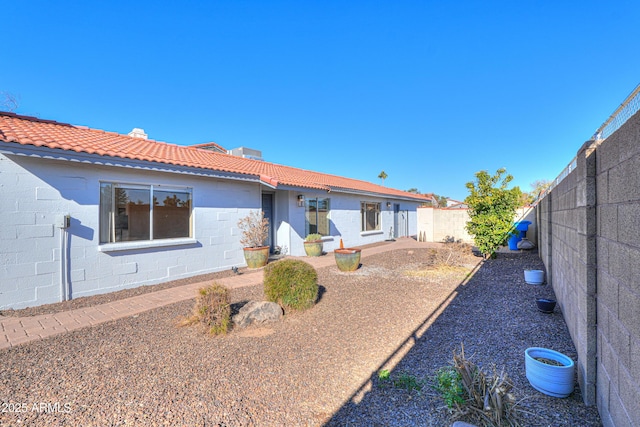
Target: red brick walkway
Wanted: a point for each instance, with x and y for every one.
(18, 330)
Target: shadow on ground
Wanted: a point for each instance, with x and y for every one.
(494, 314)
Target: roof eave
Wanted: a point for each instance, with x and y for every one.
(101, 160)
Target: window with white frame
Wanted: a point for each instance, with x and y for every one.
(370, 216)
(316, 213)
(127, 214)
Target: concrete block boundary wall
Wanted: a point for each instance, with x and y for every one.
(589, 241)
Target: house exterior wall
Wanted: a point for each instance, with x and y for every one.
(38, 259)
(35, 191)
(590, 244)
(345, 220)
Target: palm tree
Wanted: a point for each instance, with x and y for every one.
(382, 176)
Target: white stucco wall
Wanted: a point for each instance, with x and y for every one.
(436, 224)
(345, 220)
(35, 191)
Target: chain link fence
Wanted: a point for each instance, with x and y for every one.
(628, 108)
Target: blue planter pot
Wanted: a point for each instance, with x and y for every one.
(546, 305)
(556, 381)
(513, 242)
(534, 277)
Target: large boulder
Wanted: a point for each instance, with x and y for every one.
(257, 312)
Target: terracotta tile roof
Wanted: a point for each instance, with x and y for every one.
(36, 132)
(210, 146)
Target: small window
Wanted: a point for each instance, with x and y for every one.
(126, 213)
(317, 216)
(370, 216)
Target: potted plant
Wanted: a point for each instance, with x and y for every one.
(313, 244)
(347, 259)
(549, 371)
(255, 232)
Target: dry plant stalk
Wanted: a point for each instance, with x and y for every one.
(489, 398)
(452, 253)
(255, 229)
(212, 309)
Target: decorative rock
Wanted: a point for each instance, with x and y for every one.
(257, 312)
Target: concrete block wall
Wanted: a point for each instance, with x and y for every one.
(567, 236)
(590, 243)
(37, 258)
(36, 191)
(618, 276)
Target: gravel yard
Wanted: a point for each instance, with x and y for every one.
(317, 367)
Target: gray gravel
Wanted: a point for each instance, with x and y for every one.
(314, 368)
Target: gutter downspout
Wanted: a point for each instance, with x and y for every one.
(63, 281)
(63, 222)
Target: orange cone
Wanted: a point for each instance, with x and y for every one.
(341, 244)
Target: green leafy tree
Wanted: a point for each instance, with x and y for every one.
(492, 208)
(413, 190)
(442, 200)
(538, 187)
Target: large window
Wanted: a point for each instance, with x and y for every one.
(317, 216)
(370, 216)
(127, 214)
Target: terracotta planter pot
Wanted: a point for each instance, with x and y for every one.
(313, 248)
(347, 259)
(256, 257)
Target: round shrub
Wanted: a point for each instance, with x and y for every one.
(212, 309)
(291, 283)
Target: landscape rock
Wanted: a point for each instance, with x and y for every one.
(257, 312)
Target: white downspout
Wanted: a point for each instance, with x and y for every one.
(63, 222)
(63, 282)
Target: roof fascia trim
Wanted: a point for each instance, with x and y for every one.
(352, 192)
(71, 156)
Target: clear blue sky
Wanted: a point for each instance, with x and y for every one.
(428, 91)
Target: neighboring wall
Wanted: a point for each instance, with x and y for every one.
(590, 243)
(439, 224)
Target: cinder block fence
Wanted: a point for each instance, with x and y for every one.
(589, 240)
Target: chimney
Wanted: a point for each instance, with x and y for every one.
(138, 133)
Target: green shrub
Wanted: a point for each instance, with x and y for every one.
(212, 309)
(492, 209)
(403, 381)
(448, 382)
(313, 237)
(291, 283)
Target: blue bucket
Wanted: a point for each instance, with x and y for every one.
(513, 242)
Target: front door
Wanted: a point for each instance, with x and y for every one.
(267, 210)
(400, 221)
